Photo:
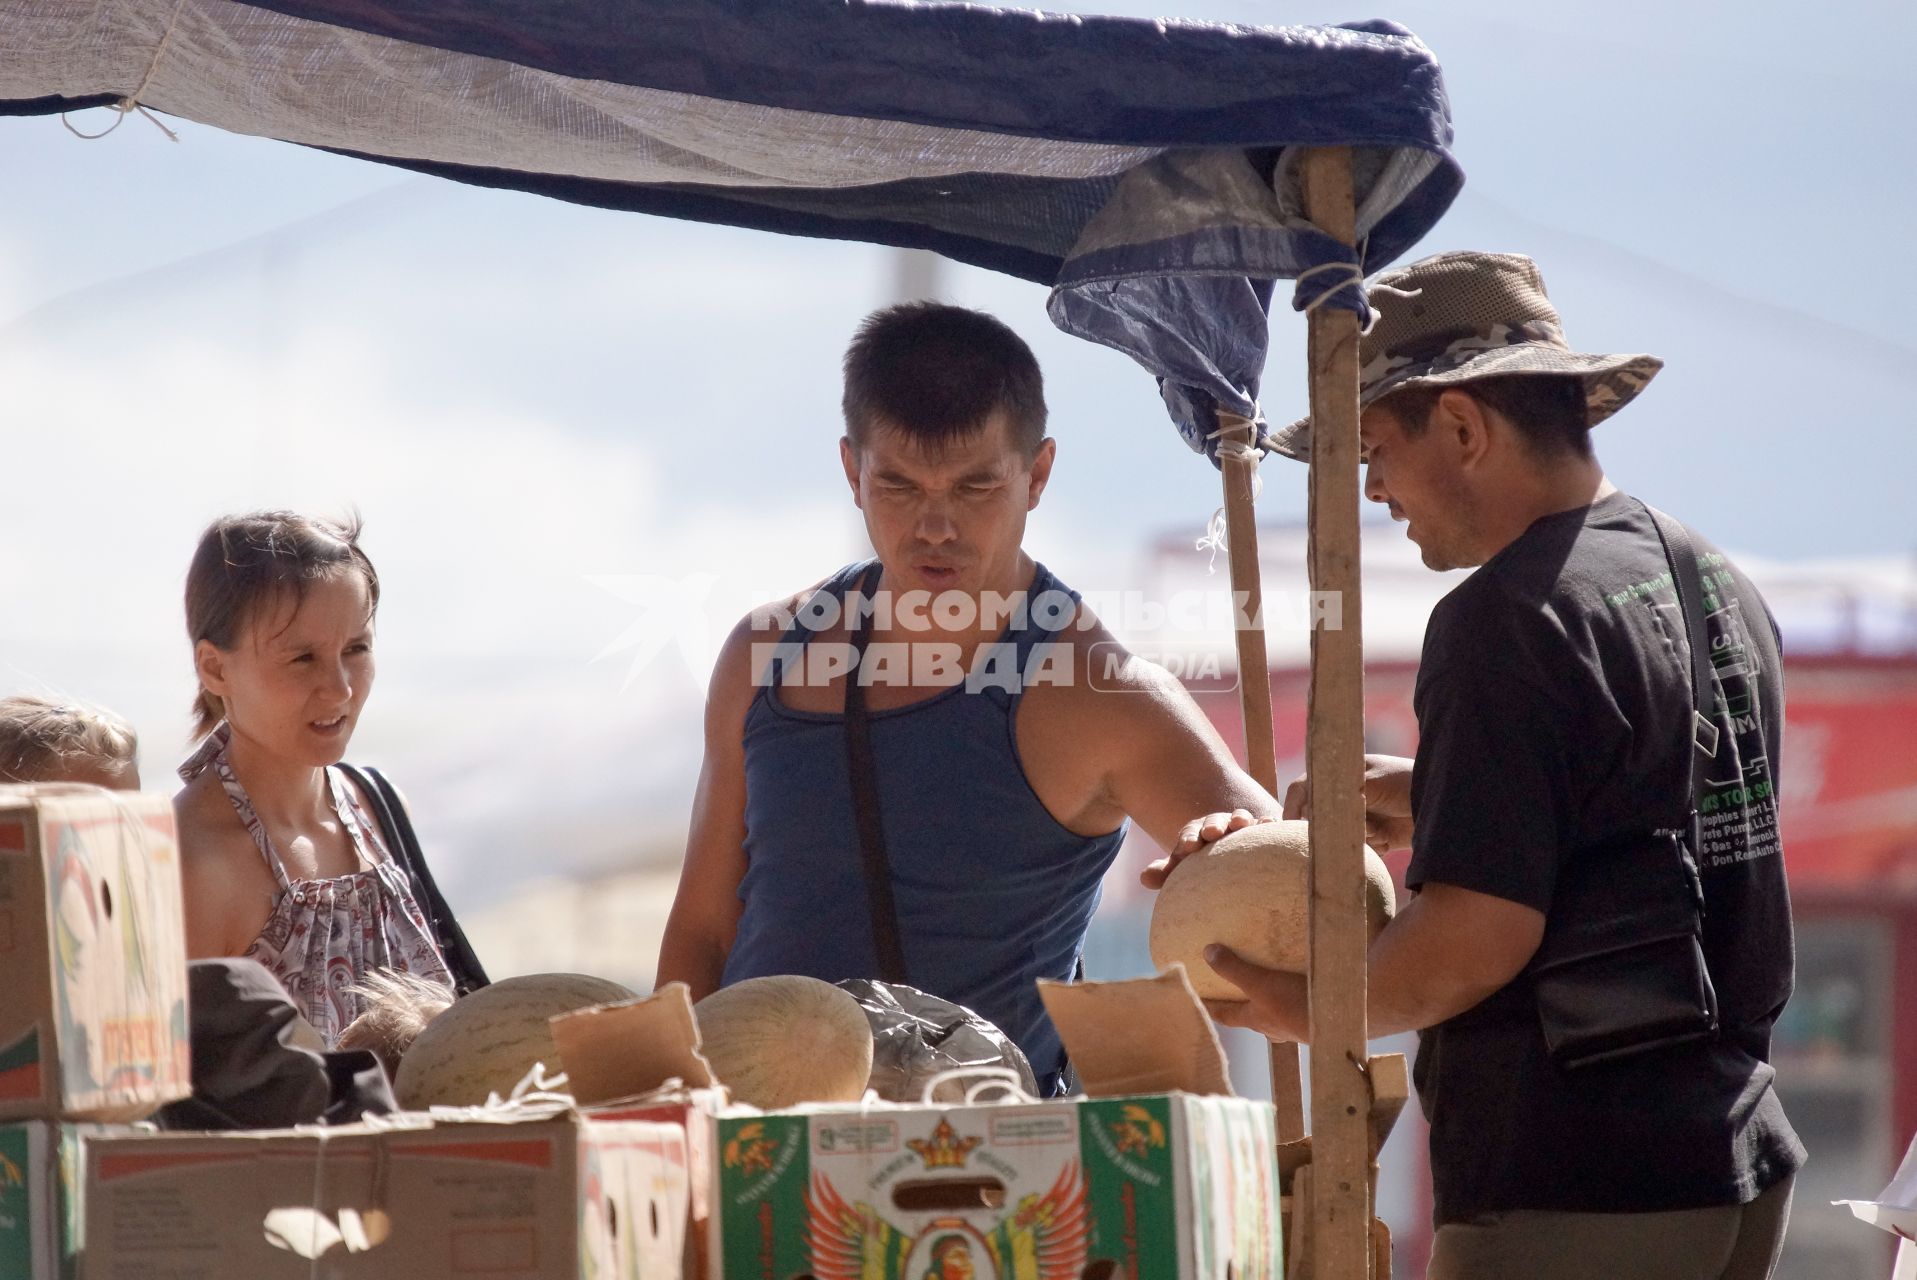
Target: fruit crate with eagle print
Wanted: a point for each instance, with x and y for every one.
(1170, 1186)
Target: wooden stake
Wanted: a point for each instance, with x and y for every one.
(1298, 1241)
(1254, 694)
(1340, 1217)
(1288, 1090)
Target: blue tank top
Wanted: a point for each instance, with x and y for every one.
(992, 892)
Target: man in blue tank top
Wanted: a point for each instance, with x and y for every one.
(1005, 769)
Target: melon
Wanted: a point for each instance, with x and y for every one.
(1248, 891)
(486, 1042)
(397, 1006)
(776, 1042)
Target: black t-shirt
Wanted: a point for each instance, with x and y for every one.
(1554, 709)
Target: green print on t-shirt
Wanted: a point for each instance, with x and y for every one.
(1737, 808)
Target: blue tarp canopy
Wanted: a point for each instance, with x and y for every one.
(1143, 170)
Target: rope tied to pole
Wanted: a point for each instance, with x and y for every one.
(1349, 277)
(127, 105)
(1234, 437)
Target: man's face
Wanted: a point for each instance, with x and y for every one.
(951, 519)
(1420, 479)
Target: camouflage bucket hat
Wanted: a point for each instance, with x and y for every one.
(1460, 316)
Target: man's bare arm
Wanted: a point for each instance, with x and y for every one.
(705, 914)
(1168, 769)
(1446, 951)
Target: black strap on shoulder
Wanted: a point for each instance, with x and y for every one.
(1689, 585)
(396, 825)
(865, 799)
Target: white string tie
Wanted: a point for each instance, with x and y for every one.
(537, 1096)
(1231, 448)
(131, 102)
(1001, 1080)
(1353, 275)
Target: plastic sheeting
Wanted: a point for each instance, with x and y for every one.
(922, 1042)
(1141, 169)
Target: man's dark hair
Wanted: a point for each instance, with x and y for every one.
(1548, 409)
(937, 372)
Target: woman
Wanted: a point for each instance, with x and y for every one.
(283, 861)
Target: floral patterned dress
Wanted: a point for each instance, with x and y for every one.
(324, 936)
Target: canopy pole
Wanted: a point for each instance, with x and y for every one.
(1340, 1093)
(1254, 695)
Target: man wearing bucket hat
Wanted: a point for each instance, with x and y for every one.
(1601, 937)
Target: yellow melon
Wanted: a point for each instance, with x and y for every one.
(778, 1041)
(1248, 891)
(486, 1042)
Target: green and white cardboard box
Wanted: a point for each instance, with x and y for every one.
(1170, 1186)
(41, 1181)
(1143, 1183)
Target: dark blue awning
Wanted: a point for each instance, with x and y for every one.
(1141, 169)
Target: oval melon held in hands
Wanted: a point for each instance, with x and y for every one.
(486, 1042)
(1249, 892)
(778, 1041)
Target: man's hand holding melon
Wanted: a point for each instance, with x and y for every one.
(1233, 912)
(1387, 792)
(1238, 924)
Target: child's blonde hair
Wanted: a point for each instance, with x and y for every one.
(40, 739)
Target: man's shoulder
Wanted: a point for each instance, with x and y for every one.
(751, 645)
(1077, 642)
(1096, 681)
(1490, 630)
(779, 615)
(1483, 602)
(771, 620)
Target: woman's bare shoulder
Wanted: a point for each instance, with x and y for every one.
(228, 889)
(201, 810)
(212, 838)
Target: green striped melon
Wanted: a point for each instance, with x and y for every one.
(1248, 891)
(778, 1041)
(486, 1042)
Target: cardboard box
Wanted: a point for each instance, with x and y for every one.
(42, 1178)
(546, 1196)
(93, 1020)
(1158, 1173)
(1171, 1185)
(639, 1060)
(39, 1219)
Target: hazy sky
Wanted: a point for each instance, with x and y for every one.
(548, 414)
